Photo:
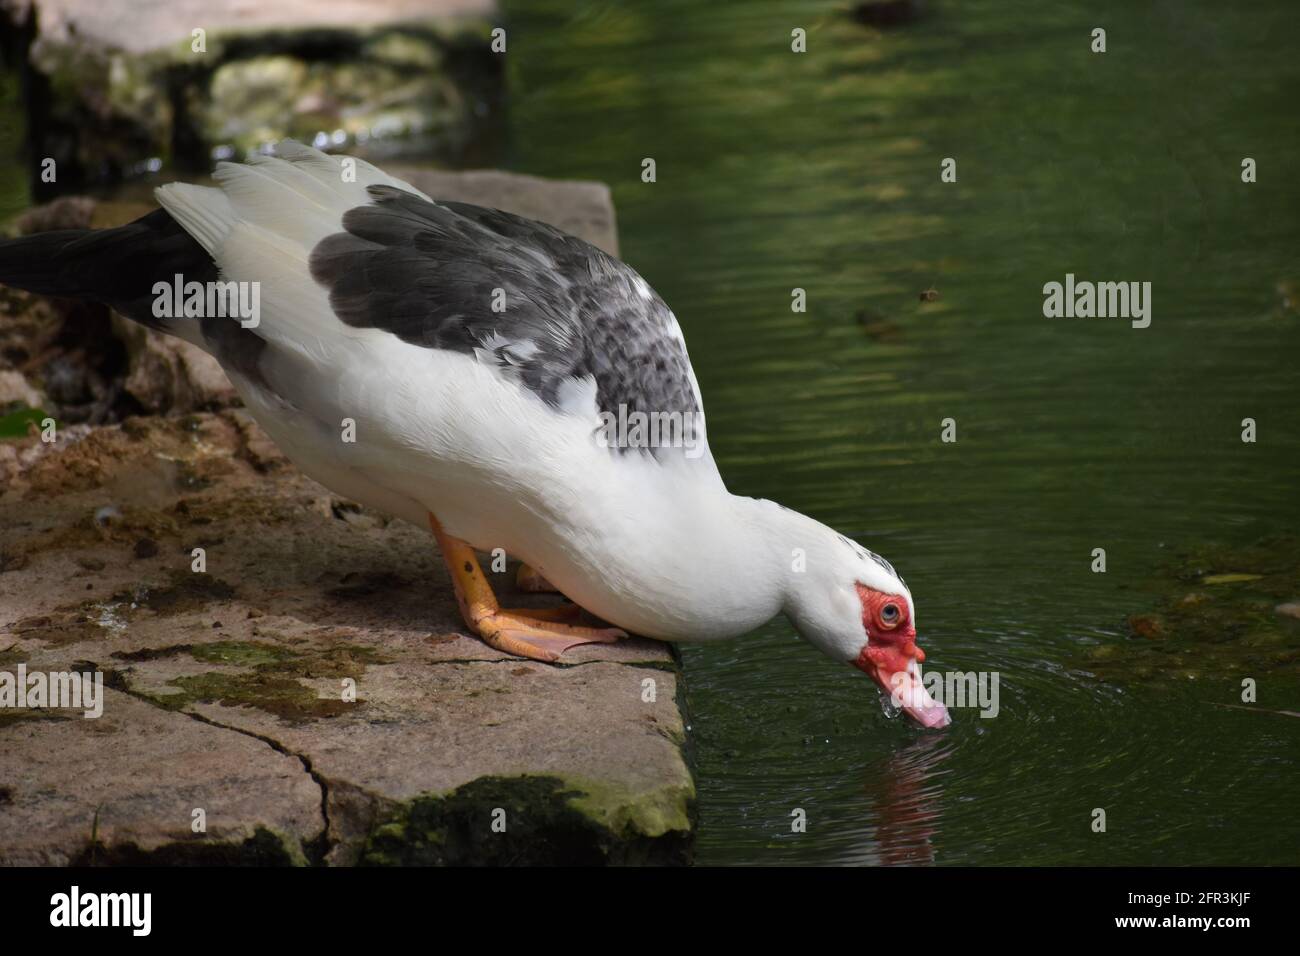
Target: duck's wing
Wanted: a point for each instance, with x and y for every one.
(345, 252)
(548, 311)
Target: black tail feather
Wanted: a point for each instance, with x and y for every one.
(118, 266)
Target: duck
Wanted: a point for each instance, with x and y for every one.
(494, 380)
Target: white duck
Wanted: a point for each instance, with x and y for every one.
(486, 363)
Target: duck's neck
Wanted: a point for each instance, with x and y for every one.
(745, 560)
(786, 549)
(679, 558)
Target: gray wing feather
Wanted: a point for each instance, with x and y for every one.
(427, 273)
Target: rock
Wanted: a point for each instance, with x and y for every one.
(15, 390)
(118, 212)
(158, 23)
(258, 449)
(253, 720)
(1289, 609)
(124, 787)
(167, 374)
(114, 94)
(66, 212)
(582, 208)
(66, 352)
(29, 325)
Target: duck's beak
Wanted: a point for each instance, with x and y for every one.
(897, 669)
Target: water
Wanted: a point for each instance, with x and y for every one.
(13, 176)
(821, 171)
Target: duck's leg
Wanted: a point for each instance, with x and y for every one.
(527, 578)
(526, 633)
(564, 612)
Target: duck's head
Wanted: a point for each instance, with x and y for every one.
(852, 604)
(890, 655)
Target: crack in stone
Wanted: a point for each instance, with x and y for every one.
(318, 849)
(316, 854)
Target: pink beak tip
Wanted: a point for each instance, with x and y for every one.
(933, 717)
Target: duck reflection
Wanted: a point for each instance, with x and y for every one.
(905, 791)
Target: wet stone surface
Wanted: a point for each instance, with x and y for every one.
(312, 690)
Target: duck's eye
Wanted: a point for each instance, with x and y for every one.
(889, 614)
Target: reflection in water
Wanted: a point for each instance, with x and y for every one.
(905, 794)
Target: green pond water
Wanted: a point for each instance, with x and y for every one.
(13, 174)
(821, 171)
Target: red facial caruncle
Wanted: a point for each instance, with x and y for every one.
(891, 656)
(892, 632)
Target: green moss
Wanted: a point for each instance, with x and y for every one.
(239, 653)
(187, 591)
(286, 698)
(330, 661)
(271, 679)
(548, 820)
(12, 654)
(334, 661)
(650, 813)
